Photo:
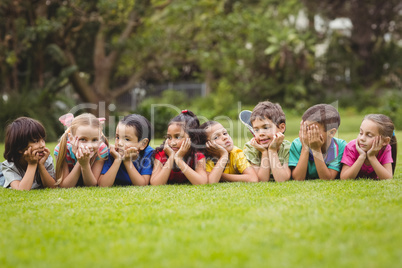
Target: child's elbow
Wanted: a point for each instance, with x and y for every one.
(253, 179)
(298, 177)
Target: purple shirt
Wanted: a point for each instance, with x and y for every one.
(350, 156)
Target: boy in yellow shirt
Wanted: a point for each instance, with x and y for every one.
(225, 161)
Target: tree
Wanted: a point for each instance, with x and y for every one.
(87, 35)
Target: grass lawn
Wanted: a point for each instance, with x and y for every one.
(293, 224)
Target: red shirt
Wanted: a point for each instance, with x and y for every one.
(178, 176)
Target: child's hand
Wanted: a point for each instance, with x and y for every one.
(131, 154)
(215, 149)
(316, 140)
(31, 156)
(184, 148)
(114, 153)
(277, 141)
(76, 144)
(83, 155)
(257, 146)
(360, 150)
(43, 159)
(375, 147)
(303, 134)
(168, 150)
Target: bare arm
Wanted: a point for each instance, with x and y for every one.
(383, 172)
(160, 174)
(300, 171)
(324, 173)
(197, 176)
(26, 182)
(215, 175)
(47, 180)
(351, 172)
(280, 172)
(264, 170)
(90, 174)
(248, 175)
(107, 179)
(70, 179)
(135, 176)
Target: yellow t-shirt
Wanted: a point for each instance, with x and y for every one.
(236, 165)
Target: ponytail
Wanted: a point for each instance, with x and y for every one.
(61, 157)
(394, 150)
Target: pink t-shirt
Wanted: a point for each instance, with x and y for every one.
(350, 156)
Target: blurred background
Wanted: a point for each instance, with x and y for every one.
(207, 56)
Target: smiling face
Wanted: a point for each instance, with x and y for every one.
(220, 135)
(175, 136)
(38, 145)
(368, 131)
(265, 129)
(126, 137)
(88, 136)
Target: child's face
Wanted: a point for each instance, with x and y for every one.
(264, 131)
(326, 135)
(126, 138)
(220, 135)
(38, 145)
(88, 136)
(368, 131)
(175, 136)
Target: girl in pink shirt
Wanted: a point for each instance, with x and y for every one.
(373, 153)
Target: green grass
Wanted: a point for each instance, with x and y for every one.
(293, 224)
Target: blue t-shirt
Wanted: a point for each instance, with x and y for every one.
(142, 164)
(332, 159)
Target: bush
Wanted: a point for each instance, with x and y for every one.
(159, 111)
(35, 104)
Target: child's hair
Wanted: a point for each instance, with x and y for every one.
(324, 114)
(85, 119)
(204, 136)
(386, 128)
(190, 124)
(268, 110)
(207, 125)
(141, 126)
(18, 134)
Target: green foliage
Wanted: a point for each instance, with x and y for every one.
(31, 105)
(388, 104)
(245, 51)
(160, 111)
